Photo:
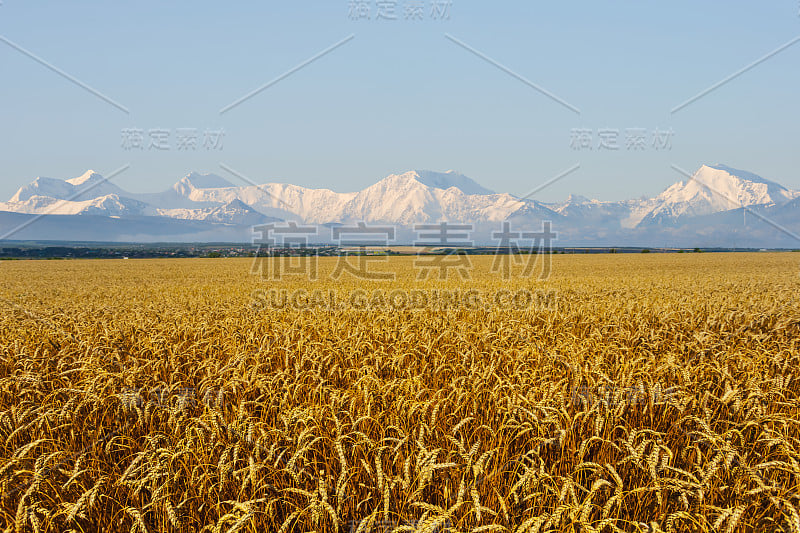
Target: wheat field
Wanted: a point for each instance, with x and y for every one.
(635, 392)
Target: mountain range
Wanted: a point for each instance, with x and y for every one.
(718, 206)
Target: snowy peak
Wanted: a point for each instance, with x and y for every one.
(237, 212)
(736, 186)
(446, 180)
(713, 189)
(585, 211)
(398, 197)
(577, 199)
(47, 187)
(200, 180)
(234, 212)
(735, 172)
(90, 177)
(112, 205)
(85, 187)
(197, 180)
(106, 205)
(424, 196)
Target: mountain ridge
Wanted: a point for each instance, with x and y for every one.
(412, 197)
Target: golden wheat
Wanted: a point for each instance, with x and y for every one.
(644, 393)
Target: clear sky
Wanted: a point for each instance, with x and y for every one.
(400, 94)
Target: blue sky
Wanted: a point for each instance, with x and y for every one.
(400, 95)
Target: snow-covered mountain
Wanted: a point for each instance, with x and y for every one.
(449, 179)
(90, 185)
(107, 205)
(712, 189)
(586, 212)
(417, 197)
(235, 212)
(214, 204)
